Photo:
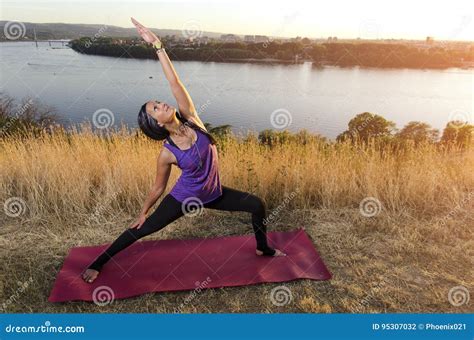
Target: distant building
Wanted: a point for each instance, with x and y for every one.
(332, 39)
(249, 38)
(261, 38)
(429, 40)
(204, 40)
(230, 38)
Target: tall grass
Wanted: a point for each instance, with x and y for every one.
(402, 260)
(73, 172)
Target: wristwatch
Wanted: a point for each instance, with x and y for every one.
(157, 46)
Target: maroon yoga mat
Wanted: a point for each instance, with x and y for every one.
(172, 265)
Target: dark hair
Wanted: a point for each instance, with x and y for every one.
(152, 129)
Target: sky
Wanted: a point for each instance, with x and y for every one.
(401, 19)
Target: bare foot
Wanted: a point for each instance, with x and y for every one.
(90, 275)
(277, 253)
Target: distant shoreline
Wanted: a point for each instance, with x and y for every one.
(269, 61)
(376, 60)
(362, 54)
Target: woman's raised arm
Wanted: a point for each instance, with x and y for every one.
(185, 103)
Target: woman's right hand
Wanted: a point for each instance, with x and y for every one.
(145, 33)
(138, 223)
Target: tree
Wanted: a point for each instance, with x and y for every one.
(419, 133)
(284, 55)
(220, 131)
(318, 52)
(271, 137)
(29, 116)
(367, 125)
(459, 133)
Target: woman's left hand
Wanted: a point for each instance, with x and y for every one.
(145, 33)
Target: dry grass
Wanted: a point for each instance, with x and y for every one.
(81, 190)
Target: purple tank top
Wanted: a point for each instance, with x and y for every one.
(199, 171)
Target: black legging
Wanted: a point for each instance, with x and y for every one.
(170, 209)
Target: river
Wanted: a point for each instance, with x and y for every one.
(245, 95)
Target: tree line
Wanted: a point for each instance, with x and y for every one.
(368, 126)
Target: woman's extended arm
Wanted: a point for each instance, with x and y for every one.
(162, 175)
(185, 103)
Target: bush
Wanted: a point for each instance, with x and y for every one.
(27, 117)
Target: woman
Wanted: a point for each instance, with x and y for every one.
(189, 146)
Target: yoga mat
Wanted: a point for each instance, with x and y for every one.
(188, 264)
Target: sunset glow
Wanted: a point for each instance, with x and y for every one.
(346, 19)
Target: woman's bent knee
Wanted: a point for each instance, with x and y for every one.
(257, 205)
